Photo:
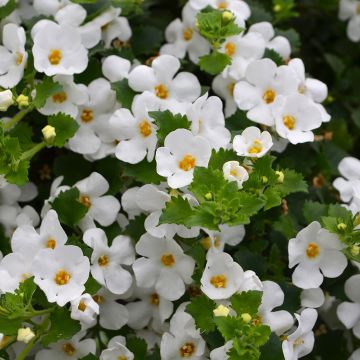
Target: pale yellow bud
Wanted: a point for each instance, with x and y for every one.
(208, 196)
(280, 176)
(221, 310)
(25, 335)
(49, 133)
(246, 317)
(355, 250)
(341, 226)
(227, 16)
(22, 101)
(264, 179)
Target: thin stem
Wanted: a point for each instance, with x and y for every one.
(14, 120)
(28, 348)
(30, 153)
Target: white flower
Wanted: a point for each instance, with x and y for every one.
(160, 80)
(102, 208)
(48, 7)
(6, 100)
(301, 341)
(279, 320)
(223, 85)
(207, 120)
(295, 117)
(106, 262)
(222, 276)
(117, 350)
(220, 353)
(135, 131)
(183, 340)
(312, 250)
(68, 349)
(182, 151)
(264, 82)
(84, 309)
(61, 273)
(152, 309)
(350, 10)
(252, 142)
(113, 316)
(68, 99)
(183, 37)
(115, 68)
(240, 8)
(163, 266)
(349, 312)
(58, 50)
(13, 56)
(51, 235)
(312, 298)
(234, 172)
(355, 355)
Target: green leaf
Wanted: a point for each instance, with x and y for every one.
(214, 63)
(65, 128)
(136, 227)
(10, 327)
(19, 176)
(246, 302)
(44, 90)
(124, 94)
(313, 211)
(293, 182)
(7, 9)
(272, 349)
(219, 158)
(201, 309)
(69, 207)
(228, 326)
(146, 39)
(274, 56)
(92, 286)
(168, 122)
(90, 357)
(138, 347)
(143, 172)
(62, 326)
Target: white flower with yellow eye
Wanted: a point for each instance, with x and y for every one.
(264, 81)
(61, 273)
(163, 265)
(107, 262)
(222, 276)
(317, 253)
(252, 142)
(223, 85)
(161, 80)
(68, 99)
(58, 49)
(350, 10)
(135, 131)
(85, 310)
(234, 172)
(117, 350)
(13, 56)
(182, 151)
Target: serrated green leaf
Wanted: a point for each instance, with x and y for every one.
(201, 309)
(124, 94)
(246, 302)
(44, 90)
(138, 347)
(214, 63)
(219, 158)
(143, 172)
(65, 128)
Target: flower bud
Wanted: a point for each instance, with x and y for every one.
(23, 101)
(208, 196)
(221, 310)
(49, 133)
(341, 226)
(355, 250)
(246, 317)
(25, 335)
(280, 176)
(227, 16)
(264, 179)
(6, 99)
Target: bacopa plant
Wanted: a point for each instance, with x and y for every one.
(179, 179)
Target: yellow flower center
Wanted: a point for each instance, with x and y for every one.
(168, 260)
(312, 251)
(206, 243)
(145, 128)
(19, 58)
(231, 88)
(82, 306)
(187, 350)
(59, 97)
(187, 163)
(234, 172)
(218, 281)
(55, 57)
(188, 34)
(222, 5)
(85, 200)
(289, 121)
(87, 115)
(269, 96)
(69, 349)
(230, 48)
(98, 299)
(256, 147)
(154, 299)
(301, 89)
(122, 357)
(62, 277)
(298, 342)
(161, 91)
(51, 243)
(103, 260)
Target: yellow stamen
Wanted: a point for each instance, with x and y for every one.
(103, 260)
(218, 281)
(289, 121)
(59, 97)
(69, 349)
(85, 200)
(168, 260)
(269, 96)
(154, 299)
(312, 251)
(82, 306)
(55, 57)
(188, 34)
(230, 48)
(161, 91)
(19, 58)
(187, 163)
(256, 147)
(145, 128)
(87, 115)
(187, 350)
(62, 277)
(51, 244)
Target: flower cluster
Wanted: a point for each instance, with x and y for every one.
(146, 186)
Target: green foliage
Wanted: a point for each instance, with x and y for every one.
(138, 347)
(274, 56)
(67, 204)
(168, 122)
(124, 93)
(65, 128)
(44, 90)
(201, 309)
(246, 302)
(214, 63)
(143, 172)
(7, 9)
(62, 326)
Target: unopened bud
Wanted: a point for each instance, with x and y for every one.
(280, 176)
(174, 192)
(49, 133)
(6, 100)
(208, 196)
(22, 101)
(25, 335)
(277, 8)
(246, 317)
(227, 16)
(355, 250)
(221, 310)
(264, 179)
(341, 226)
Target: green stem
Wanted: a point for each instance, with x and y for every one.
(38, 313)
(14, 120)
(30, 153)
